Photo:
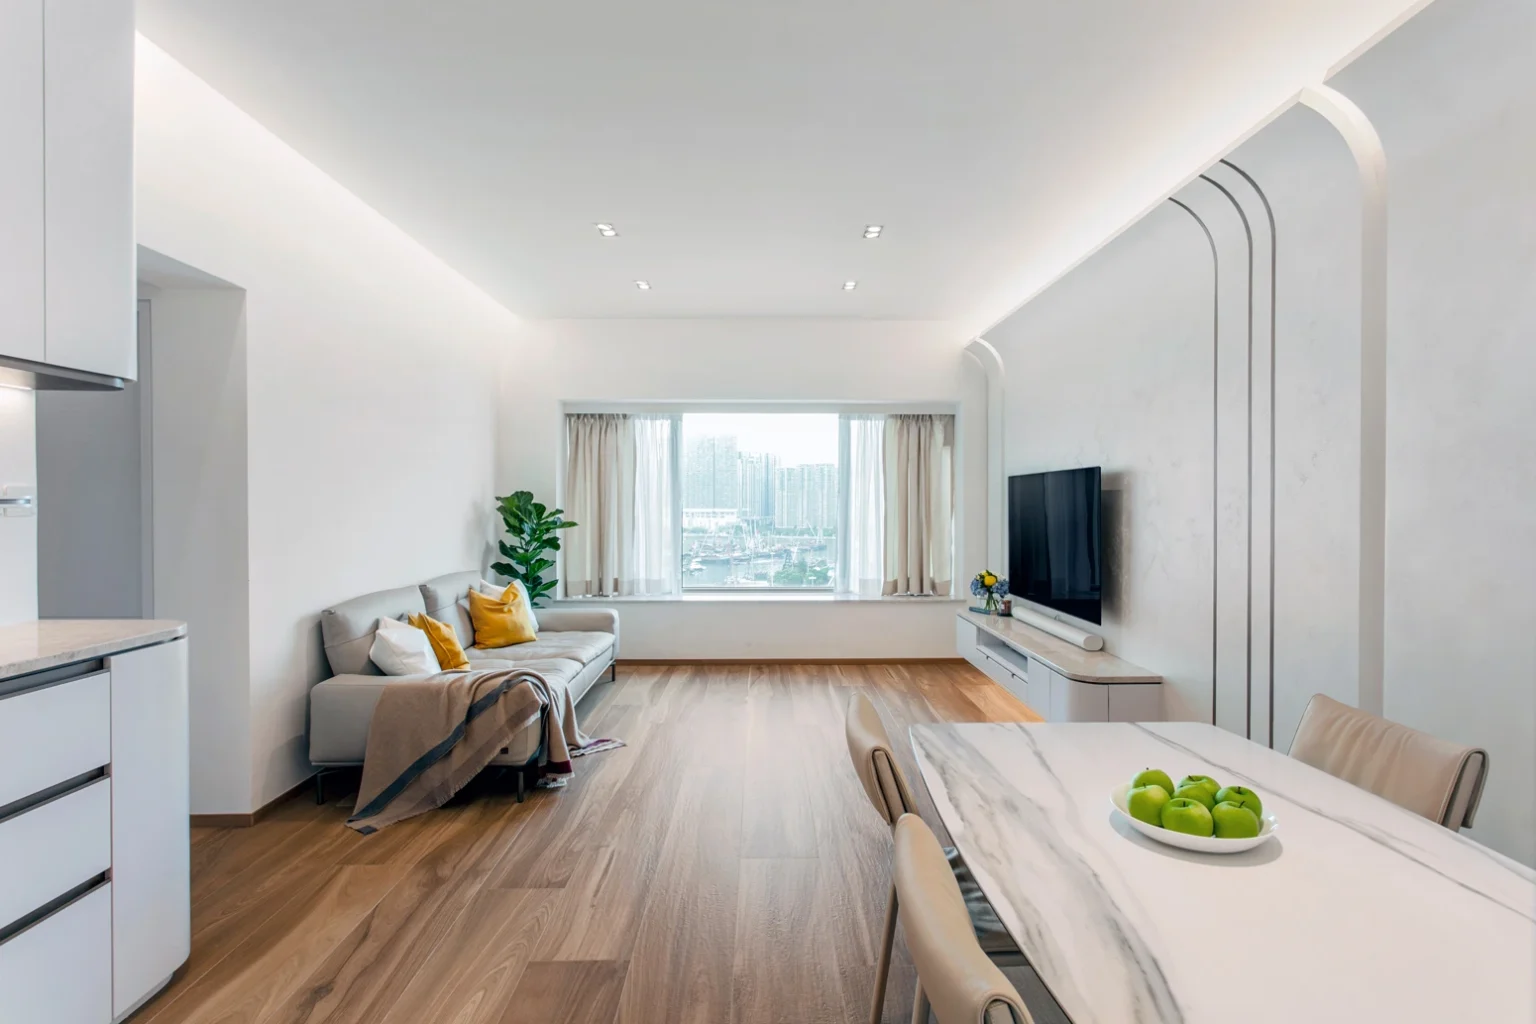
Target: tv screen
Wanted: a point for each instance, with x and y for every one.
(1054, 553)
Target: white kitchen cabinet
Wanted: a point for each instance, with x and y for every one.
(95, 880)
(52, 848)
(88, 255)
(21, 179)
(75, 716)
(151, 869)
(59, 970)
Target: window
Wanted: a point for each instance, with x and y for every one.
(760, 500)
(671, 502)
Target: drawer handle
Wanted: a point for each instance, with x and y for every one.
(54, 792)
(52, 907)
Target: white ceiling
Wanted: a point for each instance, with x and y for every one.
(740, 147)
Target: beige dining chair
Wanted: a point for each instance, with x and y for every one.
(1432, 777)
(955, 979)
(869, 746)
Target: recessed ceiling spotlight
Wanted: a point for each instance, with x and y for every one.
(644, 286)
(606, 230)
(849, 286)
(873, 230)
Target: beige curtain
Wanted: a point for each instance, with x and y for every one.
(618, 490)
(595, 464)
(919, 504)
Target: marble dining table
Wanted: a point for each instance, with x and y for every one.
(1357, 910)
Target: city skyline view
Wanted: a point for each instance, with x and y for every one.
(760, 502)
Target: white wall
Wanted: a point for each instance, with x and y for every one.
(1451, 94)
(753, 360)
(201, 546)
(1126, 385)
(18, 534)
(371, 373)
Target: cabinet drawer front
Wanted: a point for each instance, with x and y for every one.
(51, 735)
(51, 848)
(60, 969)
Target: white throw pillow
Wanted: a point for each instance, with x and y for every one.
(497, 589)
(400, 649)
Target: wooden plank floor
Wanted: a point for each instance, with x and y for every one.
(723, 868)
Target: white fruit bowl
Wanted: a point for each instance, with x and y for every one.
(1184, 841)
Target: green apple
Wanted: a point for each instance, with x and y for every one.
(1234, 821)
(1153, 777)
(1145, 803)
(1243, 797)
(1210, 784)
(1197, 793)
(1188, 816)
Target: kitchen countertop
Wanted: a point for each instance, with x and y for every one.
(45, 643)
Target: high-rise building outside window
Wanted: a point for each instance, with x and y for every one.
(760, 500)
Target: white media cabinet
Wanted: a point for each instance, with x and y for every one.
(1059, 681)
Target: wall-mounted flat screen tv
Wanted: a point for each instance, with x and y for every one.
(1055, 553)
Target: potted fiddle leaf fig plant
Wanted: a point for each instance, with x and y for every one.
(531, 540)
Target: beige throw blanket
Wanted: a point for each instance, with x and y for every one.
(430, 737)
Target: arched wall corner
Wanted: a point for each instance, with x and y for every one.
(991, 361)
(1365, 146)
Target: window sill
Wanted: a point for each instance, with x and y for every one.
(753, 597)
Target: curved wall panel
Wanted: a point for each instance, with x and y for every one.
(1453, 95)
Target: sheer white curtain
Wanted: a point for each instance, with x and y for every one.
(651, 566)
(861, 567)
(619, 492)
(919, 504)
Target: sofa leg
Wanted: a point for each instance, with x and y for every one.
(320, 786)
(613, 671)
(521, 784)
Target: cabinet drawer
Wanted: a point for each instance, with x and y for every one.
(52, 734)
(59, 971)
(49, 849)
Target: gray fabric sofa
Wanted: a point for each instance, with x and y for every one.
(575, 646)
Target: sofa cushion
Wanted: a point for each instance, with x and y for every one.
(583, 648)
(402, 650)
(444, 641)
(444, 598)
(347, 629)
(495, 590)
(501, 621)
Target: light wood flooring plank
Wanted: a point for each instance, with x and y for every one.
(572, 992)
(687, 931)
(785, 967)
(471, 975)
(369, 970)
(777, 820)
(259, 973)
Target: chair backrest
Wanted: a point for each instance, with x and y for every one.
(869, 745)
(1440, 780)
(961, 983)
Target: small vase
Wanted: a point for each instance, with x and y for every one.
(991, 605)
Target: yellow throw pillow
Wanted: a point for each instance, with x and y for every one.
(445, 643)
(501, 621)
